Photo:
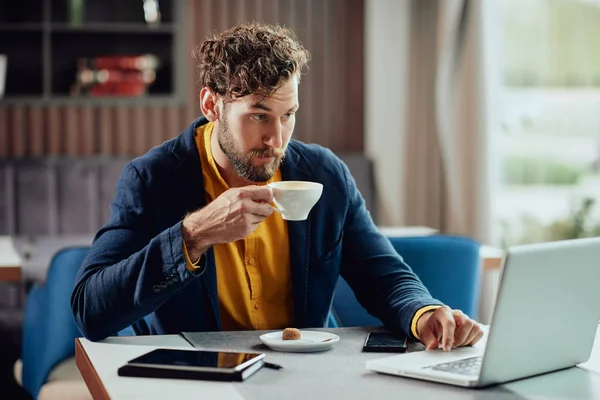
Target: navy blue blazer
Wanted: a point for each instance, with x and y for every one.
(136, 265)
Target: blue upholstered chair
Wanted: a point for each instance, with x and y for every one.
(49, 330)
(449, 266)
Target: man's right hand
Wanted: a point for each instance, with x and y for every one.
(231, 216)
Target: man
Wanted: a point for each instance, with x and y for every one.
(193, 242)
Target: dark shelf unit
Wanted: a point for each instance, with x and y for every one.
(9, 27)
(113, 27)
(43, 44)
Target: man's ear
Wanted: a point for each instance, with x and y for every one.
(209, 104)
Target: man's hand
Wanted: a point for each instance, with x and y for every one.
(231, 216)
(448, 328)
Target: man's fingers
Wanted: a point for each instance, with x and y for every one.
(463, 328)
(261, 210)
(475, 329)
(477, 338)
(429, 339)
(446, 319)
(460, 335)
(257, 193)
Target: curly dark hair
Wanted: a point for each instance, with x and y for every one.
(249, 58)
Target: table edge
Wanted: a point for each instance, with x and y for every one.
(10, 273)
(88, 372)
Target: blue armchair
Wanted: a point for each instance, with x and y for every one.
(449, 266)
(49, 330)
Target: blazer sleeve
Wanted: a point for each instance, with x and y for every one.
(130, 270)
(382, 282)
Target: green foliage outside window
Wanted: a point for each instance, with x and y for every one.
(523, 170)
(579, 224)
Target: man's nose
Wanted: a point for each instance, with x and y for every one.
(274, 138)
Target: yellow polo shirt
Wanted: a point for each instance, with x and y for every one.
(253, 274)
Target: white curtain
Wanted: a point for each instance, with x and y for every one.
(446, 147)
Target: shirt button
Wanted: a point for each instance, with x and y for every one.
(156, 288)
(251, 261)
(256, 306)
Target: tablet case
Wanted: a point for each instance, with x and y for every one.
(156, 372)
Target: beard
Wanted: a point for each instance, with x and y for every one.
(242, 162)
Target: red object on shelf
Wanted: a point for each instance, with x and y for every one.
(126, 62)
(124, 75)
(88, 76)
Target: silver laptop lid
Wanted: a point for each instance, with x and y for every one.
(546, 312)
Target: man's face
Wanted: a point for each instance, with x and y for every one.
(254, 132)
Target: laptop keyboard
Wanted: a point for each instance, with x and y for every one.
(466, 366)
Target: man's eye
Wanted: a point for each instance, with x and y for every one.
(288, 115)
(259, 117)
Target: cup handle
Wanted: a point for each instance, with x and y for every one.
(276, 209)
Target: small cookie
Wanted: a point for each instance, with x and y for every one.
(291, 334)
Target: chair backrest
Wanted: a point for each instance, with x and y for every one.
(449, 266)
(49, 330)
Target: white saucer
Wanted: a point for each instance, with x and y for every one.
(309, 342)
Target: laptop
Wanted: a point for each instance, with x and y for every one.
(544, 319)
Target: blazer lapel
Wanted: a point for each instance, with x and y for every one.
(192, 184)
(299, 238)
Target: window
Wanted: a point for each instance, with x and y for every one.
(549, 135)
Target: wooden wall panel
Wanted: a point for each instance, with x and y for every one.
(139, 130)
(86, 127)
(33, 131)
(17, 132)
(54, 131)
(355, 70)
(72, 139)
(4, 139)
(103, 116)
(121, 132)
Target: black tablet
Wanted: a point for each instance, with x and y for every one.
(194, 364)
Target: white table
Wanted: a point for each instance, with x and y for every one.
(337, 373)
(407, 231)
(10, 261)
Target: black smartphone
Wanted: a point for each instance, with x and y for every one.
(194, 364)
(385, 342)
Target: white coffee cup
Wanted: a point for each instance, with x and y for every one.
(295, 199)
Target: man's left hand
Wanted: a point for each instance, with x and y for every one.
(447, 328)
